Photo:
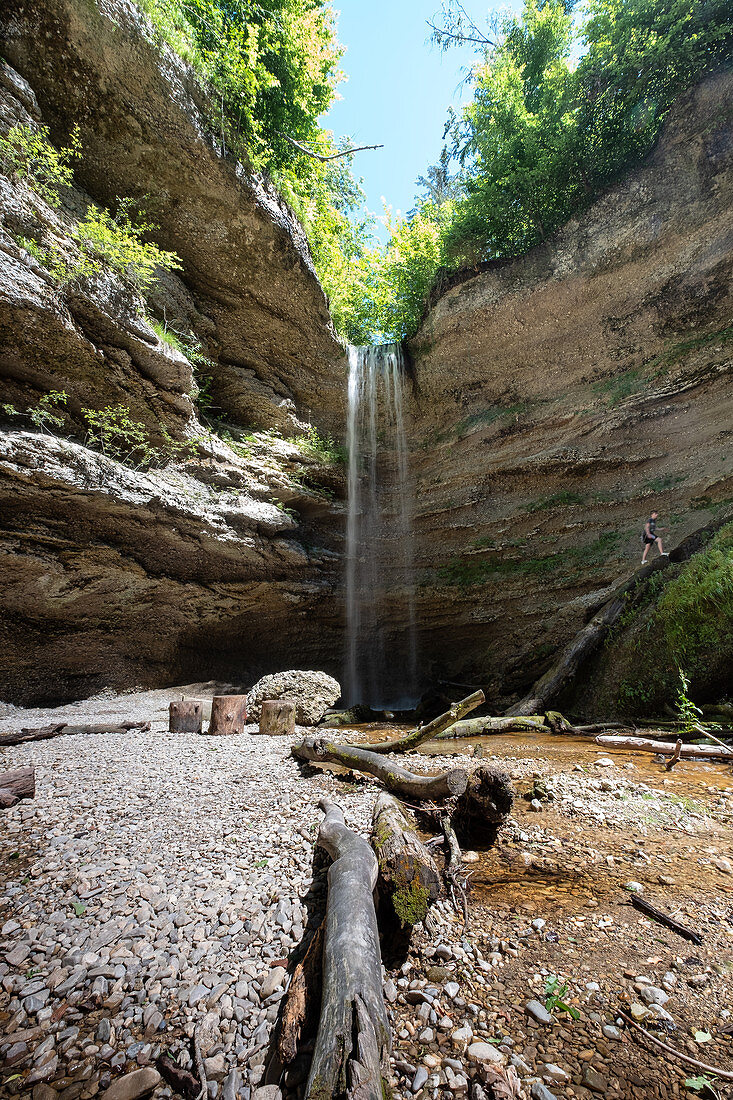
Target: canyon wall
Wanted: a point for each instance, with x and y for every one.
(222, 566)
(560, 397)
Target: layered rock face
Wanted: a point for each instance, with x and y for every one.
(115, 576)
(560, 397)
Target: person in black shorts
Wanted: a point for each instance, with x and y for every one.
(650, 536)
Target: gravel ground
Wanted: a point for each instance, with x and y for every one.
(156, 882)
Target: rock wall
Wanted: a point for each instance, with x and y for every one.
(561, 396)
(115, 577)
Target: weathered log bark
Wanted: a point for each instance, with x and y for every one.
(433, 729)
(399, 780)
(351, 1055)
(228, 714)
(180, 1080)
(674, 758)
(664, 748)
(407, 871)
(185, 716)
(43, 733)
(485, 727)
(650, 910)
(301, 1004)
(15, 785)
(277, 717)
(484, 806)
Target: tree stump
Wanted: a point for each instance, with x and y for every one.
(228, 714)
(277, 717)
(185, 716)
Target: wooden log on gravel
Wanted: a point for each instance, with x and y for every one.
(664, 748)
(484, 806)
(318, 750)
(228, 714)
(351, 1055)
(433, 729)
(16, 785)
(277, 717)
(66, 729)
(407, 871)
(185, 716)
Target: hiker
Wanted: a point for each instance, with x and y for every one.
(649, 537)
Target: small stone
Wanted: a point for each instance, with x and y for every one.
(442, 951)
(470, 857)
(133, 1085)
(541, 1092)
(484, 1052)
(420, 1078)
(104, 1030)
(652, 995)
(535, 805)
(451, 989)
(540, 1013)
(611, 1032)
(18, 955)
(538, 924)
(638, 1011)
(390, 991)
(593, 1080)
(725, 866)
(216, 1067)
(634, 887)
(554, 1073)
(267, 1092)
(461, 1036)
(273, 982)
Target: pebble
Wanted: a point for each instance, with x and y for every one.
(652, 995)
(484, 1052)
(554, 1073)
(420, 1078)
(539, 1012)
(634, 887)
(541, 1092)
(133, 1085)
(593, 1080)
(611, 1032)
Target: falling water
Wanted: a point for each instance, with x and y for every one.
(380, 593)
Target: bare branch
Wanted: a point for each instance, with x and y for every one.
(440, 32)
(323, 157)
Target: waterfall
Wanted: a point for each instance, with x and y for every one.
(381, 665)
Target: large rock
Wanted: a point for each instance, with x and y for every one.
(312, 692)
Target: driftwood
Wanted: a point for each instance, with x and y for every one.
(485, 727)
(180, 1080)
(351, 1055)
(300, 1006)
(277, 717)
(228, 714)
(406, 869)
(664, 748)
(484, 806)
(433, 729)
(589, 638)
(318, 750)
(185, 716)
(674, 758)
(16, 785)
(677, 1054)
(650, 910)
(44, 733)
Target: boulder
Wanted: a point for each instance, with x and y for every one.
(312, 692)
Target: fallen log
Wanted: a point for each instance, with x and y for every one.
(650, 910)
(185, 716)
(277, 717)
(66, 729)
(485, 727)
(228, 714)
(16, 785)
(433, 729)
(407, 871)
(301, 1005)
(484, 806)
(318, 750)
(180, 1080)
(351, 1055)
(664, 748)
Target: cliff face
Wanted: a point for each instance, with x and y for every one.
(115, 576)
(561, 396)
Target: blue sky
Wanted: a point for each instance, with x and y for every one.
(398, 91)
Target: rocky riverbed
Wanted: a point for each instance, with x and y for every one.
(159, 882)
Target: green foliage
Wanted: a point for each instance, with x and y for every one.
(620, 386)
(27, 153)
(47, 413)
(688, 715)
(321, 447)
(116, 242)
(185, 343)
(463, 574)
(555, 500)
(112, 431)
(555, 994)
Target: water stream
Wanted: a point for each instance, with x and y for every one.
(381, 665)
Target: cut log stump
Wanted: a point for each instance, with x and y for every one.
(228, 714)
(407, 871)
(15, 785)
(484, 806)
(277, 717)
(351, 1055)
(186, 716)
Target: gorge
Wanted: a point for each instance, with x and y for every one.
(550, 401)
